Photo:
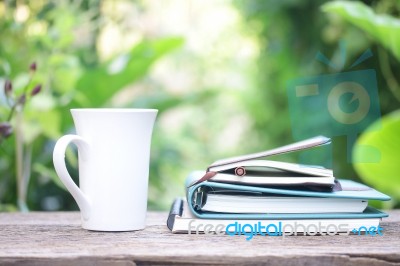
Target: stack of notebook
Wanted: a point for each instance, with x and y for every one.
(245, 190)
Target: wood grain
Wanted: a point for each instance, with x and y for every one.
(56, 238)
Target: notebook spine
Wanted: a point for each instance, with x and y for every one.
(176, 209)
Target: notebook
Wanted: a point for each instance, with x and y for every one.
(228, 203)
(182, 220)
(248, 169)
(350, 190)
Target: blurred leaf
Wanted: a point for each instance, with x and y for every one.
(8, 208)
(65, 68)
(50, 123)
(20, 82)
(41, 118)
(44, 171)
(31, 130)
(164, 101)
(376, 155)
(382, 28)
(100, 84)
(42, 102)
(71, 156)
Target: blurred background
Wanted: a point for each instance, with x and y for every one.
(218, 71)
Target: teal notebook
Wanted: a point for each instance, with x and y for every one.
(349, 190)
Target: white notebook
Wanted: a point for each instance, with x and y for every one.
(264, 172)
(248, 169)
(264, 204)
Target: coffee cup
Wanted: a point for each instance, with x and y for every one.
(114, 156)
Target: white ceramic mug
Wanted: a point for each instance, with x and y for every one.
(114, 153)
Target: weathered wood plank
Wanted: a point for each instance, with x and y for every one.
(57, 239)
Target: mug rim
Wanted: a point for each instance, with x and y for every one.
(114, 110)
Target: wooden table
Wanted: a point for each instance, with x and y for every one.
(56, 238)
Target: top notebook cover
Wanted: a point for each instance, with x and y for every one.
(239, 164)
(298, 146)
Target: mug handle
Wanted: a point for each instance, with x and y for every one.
(59, 164)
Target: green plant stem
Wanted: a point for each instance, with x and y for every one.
(26, 172)
(8, 101)
(10, 115)
(19, 151)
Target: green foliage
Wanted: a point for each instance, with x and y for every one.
(378, 146)
(97, 86)
(73, 75)
(376, 155)
(383, 28)
(290, 43)
(215, 115)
